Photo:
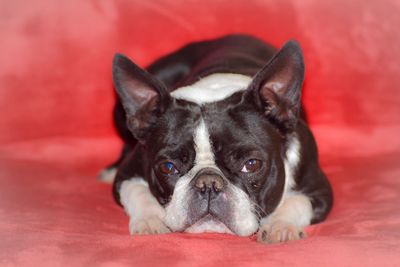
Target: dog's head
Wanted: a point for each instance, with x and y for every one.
(216, 152)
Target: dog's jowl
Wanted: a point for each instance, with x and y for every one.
(216, 141)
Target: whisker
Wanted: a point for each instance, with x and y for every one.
(259, 211)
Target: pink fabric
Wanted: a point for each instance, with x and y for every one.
(56, 128)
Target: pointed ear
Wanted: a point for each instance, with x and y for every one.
(142, 95)
(277, 86)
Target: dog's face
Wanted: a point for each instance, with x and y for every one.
(216, 160)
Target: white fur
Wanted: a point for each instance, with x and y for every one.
(207, 224)
(176, 209)
(245, 221)
(296, 210)
(202, 142)
(141, 206)
(291, 161)
(212, 88)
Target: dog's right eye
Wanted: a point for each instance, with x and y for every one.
(168, 168)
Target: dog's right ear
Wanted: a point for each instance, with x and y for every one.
(143, 96)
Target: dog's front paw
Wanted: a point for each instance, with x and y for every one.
(279, 231)
(148, 226)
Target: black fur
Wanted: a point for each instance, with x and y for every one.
(237, 125)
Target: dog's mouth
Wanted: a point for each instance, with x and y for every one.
(209, 224)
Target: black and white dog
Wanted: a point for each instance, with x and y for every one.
(215, 141)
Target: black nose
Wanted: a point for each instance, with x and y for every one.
(208, 181)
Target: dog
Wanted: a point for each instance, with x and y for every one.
(216, 141)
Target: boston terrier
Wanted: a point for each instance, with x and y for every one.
(216, 141)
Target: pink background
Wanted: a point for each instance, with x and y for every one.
(56, 128)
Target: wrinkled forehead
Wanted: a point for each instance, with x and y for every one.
(203, 116)
(205, 132)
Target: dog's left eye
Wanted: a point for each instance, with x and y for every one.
(252, 165)
(168, 168)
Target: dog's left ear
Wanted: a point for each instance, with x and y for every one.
(277, 86)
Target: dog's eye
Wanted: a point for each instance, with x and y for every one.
(168, 168)
(252, 165)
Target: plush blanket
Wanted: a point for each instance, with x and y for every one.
(56, 130)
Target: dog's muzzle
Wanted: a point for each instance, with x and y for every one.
(209, 195)
(208, 202)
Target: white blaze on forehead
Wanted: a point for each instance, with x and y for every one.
(212, 88)
(202, 143)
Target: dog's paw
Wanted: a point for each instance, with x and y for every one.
(278, 232)
(148, 226)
